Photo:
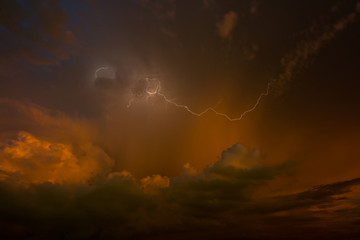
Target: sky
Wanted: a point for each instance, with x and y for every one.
(171, 119)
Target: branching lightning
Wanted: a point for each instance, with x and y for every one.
(155, 90)
(291, 62)
(158, 92)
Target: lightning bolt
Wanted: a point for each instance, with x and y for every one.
(158, 92)
(290, 62)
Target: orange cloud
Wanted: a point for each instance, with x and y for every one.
(50, 124)
(42, 145)
(227, 25)
(151, 184)
(32, 160)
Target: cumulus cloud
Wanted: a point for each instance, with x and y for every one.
(226, 26)
(239, 156)
(119, 205)
(152, 184)
(40, 145)
(32, 160)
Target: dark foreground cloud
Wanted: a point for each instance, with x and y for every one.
(119, 206)
(54, 188)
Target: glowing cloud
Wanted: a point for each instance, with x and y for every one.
(32, 160)
(227, 25)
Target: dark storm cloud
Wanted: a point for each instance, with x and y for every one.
(119, 205)
(63, 187)
(181, 40)
(56, 182)
(35, 31)
(219, 199)
(224, 186)
(185, 53)
(324, 196)
(328, 211)
(61, 171)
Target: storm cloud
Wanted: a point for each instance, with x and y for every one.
(172, 119)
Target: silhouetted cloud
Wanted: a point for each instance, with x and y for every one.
(118, 205)
(56, 186)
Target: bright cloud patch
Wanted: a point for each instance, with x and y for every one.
(30, 159)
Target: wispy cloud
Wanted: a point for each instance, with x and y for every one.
(226, 25)
(295, 60)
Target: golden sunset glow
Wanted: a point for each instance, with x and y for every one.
(171, 119)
